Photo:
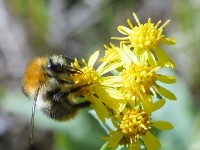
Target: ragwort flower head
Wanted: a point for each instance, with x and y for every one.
(88, 78)
(135, 123)
(147, 37)
(134, 128)
(137, 79)
(92, 86)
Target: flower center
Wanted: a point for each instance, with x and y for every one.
(88, 79)
(135, 123)
(138, 79)
(146, 37)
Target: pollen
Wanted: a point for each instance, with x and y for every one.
(146, 36)
(137, 80)
(88, 79)
(135, 123)
(143, 37)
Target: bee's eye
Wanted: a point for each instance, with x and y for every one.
(57, 68)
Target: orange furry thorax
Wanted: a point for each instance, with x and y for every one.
(35, 75)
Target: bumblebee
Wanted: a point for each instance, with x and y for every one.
(47, 79)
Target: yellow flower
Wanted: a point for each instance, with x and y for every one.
(138, 79)
(93, 87)
(147, 37)
(134, 128)
(111, 54)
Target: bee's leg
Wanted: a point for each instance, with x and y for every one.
(82, 104)
(63, 94)
(77, 88)
(61, 81)
(57, 95)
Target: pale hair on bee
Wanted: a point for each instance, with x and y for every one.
(47, 79)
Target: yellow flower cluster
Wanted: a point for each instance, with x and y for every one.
(125, 88)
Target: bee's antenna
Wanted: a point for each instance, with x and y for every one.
(32, 117)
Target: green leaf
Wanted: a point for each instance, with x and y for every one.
(105, 147)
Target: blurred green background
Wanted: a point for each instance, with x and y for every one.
(30, 28)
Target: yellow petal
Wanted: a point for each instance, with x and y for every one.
(164, 25)
(151, 142)
(169, 41)
(157, 24)
(100, 109)
(101, 66)
(163, 125)
(164, 59)
(144, 57)
(109, 67)
(114, 140)
(136, 18)
(114, 93)
(114, 122)
(153, 91)
(105, 97)
(151, 59)
(124, 30)
(124, 58)
(166, 79)
(134, 146)
(158, 104)
(130, 54)
(111, 81)
(93, 58)
(130, 24)
(166, 93)
(148, 106)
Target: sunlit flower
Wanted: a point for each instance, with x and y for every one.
(111, 54)
(134, 128)
(138, 79)
(92, 88)
(147, 37)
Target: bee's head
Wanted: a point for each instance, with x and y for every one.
(60, 66)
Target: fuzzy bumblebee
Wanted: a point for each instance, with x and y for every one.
(47, 79)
